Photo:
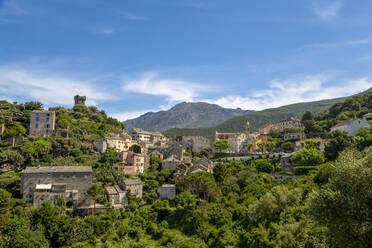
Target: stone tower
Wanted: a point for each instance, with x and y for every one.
(80, 99)
(247, 128)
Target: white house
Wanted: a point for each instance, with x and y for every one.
(351, 126)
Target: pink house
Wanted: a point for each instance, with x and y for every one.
(133, 163)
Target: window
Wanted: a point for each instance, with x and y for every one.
(49, 174)
(36, 125)
(37, 118)
(47, 119)
(30, 189)
(48, 114)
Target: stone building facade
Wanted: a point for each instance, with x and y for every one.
(134, 185)
(116, 196)
(133, 163)
(167, 192)
(351, 126)
(80, 100)
(121, 143)
(286, 123)
(197, 143)
(39, 184)
(202, 164)
(42, 123)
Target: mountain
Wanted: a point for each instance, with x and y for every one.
(185, 115)
(259, 118)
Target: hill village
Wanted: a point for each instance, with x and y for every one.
(136, 149)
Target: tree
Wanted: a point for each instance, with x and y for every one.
(221, 145)
(249, 146)
(94, 192)
(308, 157)
(262, 146)
(264, 165)
(311, 143)
(288, 146)
(344, 204)
(339, 142)
(155, 163)
(15, 130)
(110, 156)
(307, 116)
(136, 149)
(270, 146)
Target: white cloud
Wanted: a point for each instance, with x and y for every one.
(46, 87)
(11, 7)
(294, 90)
(172, 90)
(104, 30)
(123, 116)
(328, 11)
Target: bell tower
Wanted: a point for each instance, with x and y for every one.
(247, 128)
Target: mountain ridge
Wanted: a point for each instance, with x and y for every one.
(260, 118)
(185, 115)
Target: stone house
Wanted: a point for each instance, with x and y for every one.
(140, 135)
(42, 123)
(170, 163)
(196, 143)
(181, 169)
(116, 196)
(177, 150)
(202, 164)
(39, 184)
(133, 163)
(134, 185)
(156, 153)
(236, 141)
(120, 143)
(286, 123)
(167, 192)
(294, 136)
(351, 126)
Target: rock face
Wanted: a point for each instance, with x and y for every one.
(185, 115)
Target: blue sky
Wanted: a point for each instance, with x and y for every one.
(133, 56)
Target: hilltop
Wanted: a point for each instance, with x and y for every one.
(185, 115)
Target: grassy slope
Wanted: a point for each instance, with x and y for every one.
(257, 119)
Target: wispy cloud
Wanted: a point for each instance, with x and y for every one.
(131, 16)
(346, 43)
(103, 30)
(328, 11)
(12, 8)
(294, 90)
(47, 88)
(172, 90)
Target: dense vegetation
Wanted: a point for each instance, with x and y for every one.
(239, 205)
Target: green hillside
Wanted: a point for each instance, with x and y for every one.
(257, 119)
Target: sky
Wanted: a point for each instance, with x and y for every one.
(133, 56)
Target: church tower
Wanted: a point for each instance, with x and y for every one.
(247, 128)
